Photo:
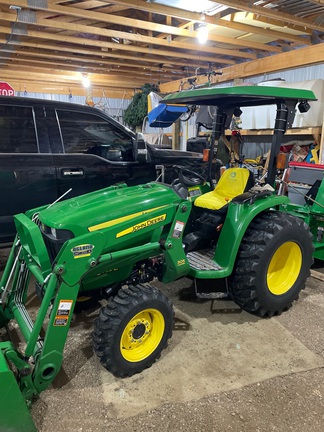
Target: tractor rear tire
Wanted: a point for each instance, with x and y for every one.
(133, 329)
(273, 264)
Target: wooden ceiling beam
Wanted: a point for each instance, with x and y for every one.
(117, 81)
(163, 55)
(82, 65)
(30, 74)
(247, 5)
(160, 9)
(84, 5)
(215, 20)
(133, 37)
(176, 65)
(138, 49)
(130, 22)
(60, 1)
(61, 39)
(289, 60)
(144, 62)
(265, 31)
(274, 22)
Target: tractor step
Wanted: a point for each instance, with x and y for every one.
(14, 413)
(212, 295)
(202, 260)
(211, 289)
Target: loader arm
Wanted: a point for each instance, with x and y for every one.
(41, 360)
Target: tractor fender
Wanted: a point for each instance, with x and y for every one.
(239, 216)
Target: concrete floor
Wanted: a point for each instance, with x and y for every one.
(224, 370)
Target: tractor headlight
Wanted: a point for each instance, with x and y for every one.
(54, 239)
(53, 232)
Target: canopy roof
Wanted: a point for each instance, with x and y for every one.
(238, 96)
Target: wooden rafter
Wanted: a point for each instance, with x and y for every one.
(246, 5)
(163, 54)
(132, 61)
(123, 21)
(153, 42)
(215, 20)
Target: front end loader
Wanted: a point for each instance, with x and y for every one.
(112, 243)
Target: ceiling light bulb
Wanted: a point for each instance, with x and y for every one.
(85, 81)
(202, 33)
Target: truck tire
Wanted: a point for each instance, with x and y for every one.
(133, 329)
(273, 264)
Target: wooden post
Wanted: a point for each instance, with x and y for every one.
(321, 143)
(176, 135)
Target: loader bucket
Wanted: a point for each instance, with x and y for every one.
(14, 413)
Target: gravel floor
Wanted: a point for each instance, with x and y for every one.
(222, 371)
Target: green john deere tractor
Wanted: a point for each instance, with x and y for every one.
(115, 241)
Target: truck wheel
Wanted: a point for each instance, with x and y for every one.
(273, 264)
(133, 329)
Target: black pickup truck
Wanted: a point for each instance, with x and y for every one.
(48, 147)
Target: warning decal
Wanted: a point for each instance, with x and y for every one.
(178, 228)
(63, 312)
(64, 307)
(59, 321)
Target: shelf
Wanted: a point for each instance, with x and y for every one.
(315, 131)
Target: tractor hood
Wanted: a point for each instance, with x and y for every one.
(107, 207)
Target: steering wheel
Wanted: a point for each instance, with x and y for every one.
(188, 177)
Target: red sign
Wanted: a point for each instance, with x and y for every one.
(6, 89)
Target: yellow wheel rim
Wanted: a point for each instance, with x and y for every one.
(284, 268)
(142, 335)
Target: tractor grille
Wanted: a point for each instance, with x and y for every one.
(52, 247)
(202, 260)
(54, 241)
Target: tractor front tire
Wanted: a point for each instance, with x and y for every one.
(273, 264)
(133, 329)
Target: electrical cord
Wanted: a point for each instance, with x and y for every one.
(12, 31)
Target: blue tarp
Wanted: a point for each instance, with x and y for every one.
(164, 115)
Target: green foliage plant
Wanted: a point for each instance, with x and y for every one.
(137, 109)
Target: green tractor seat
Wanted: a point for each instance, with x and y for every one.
(233, 182)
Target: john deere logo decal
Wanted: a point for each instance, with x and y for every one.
(233, 174)
(122, 219)
(82, 251)
(142, 225)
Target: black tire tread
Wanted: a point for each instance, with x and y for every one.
(110, 319)
(243, 282)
